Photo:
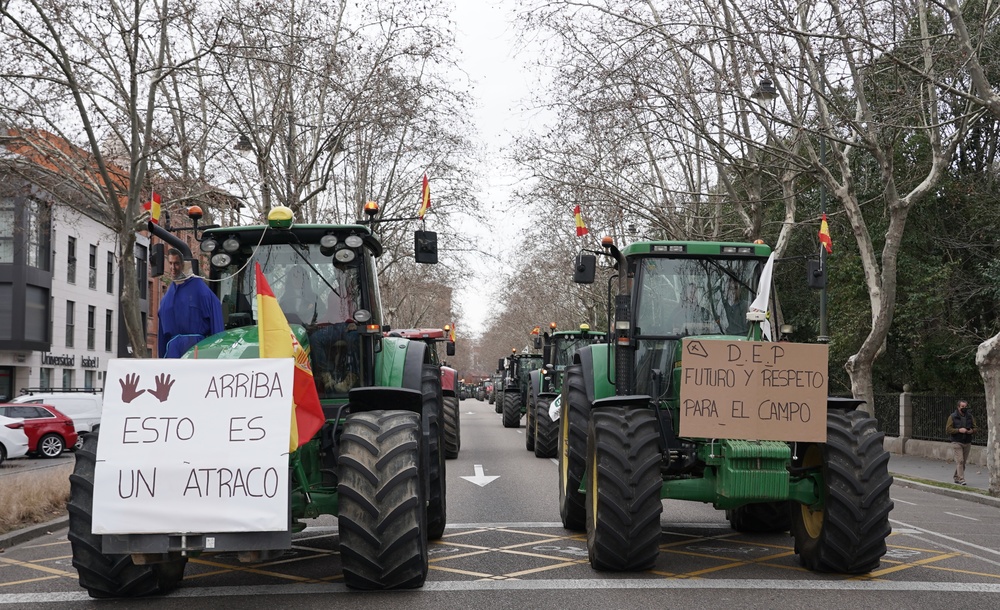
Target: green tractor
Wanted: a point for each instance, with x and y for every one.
(634, 411)
(378, 463)
(558, 348)
(512, 400)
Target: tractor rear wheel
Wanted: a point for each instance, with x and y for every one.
(498, 403)
(529, 425)
(433, 410)
(511, 410)
(382, 520)
(544, 430)
(761, 517)
(623, 491)
(846, 535)
(572, 449)
(105, 576)
(452, 427)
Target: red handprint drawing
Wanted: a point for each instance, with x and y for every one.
(129, 388)
(163, 385)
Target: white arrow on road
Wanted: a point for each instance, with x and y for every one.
(480, 478)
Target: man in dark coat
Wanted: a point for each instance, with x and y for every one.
(189, 311)
(961, 426)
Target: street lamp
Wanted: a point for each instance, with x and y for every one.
(765, 91)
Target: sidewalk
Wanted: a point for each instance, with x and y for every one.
(977, 477)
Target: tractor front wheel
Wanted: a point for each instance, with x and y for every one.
(529, 425)
(544, 430)
(433, 412)
(623, 492)
(383, 544)
(847, 533)
(511, 410)
(105, 576)
(452, 427)
(572, 449)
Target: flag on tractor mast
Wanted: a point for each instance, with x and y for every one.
(278, 341)
(153, 206)
(425, 198)
(824, 236)
(581, 229)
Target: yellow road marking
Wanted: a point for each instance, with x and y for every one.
(35, 566)
(907, 566)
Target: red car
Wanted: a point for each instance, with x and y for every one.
(49, 431)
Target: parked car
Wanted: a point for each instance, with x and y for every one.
(13, 439)
(49, 431)
(83, 407)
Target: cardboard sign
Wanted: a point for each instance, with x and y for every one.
(194, 446)
(753, 390)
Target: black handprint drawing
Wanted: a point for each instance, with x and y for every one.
(163, 385)
(129, 385)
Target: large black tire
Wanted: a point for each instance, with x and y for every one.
(572, 449)
(848, 534)
(762, 517)
(623, 491)
(452, 427)
(382, 517)
(529, 425)
(498, 403)
(105, 576)
(544, 430)
(511, 410)
(433, 409)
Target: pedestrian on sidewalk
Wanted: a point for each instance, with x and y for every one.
(961, 426)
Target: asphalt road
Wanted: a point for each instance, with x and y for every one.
(504, 547)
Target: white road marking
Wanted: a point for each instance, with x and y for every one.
(554, 461)
(546, 585)
(962, 516)
(480, 478)
(955, 540)
(904, 502)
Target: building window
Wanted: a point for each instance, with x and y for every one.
(6, 311)
(37, 225)
(91, 326)
(88, 379)
(36, 313)
(45, 378)
(70, 314)
(71, 260)
(108, 329)
(111, 272)
(141, 264)
(92, 275)
(7, 230)
(68, 378)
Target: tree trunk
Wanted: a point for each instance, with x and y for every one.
(129, 301)
(988, 361)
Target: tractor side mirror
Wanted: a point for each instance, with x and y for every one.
(537, 342)
(450, 348)
(156, 260)
(425, 247)
(584, 268)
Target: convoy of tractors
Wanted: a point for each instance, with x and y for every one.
(687, 391)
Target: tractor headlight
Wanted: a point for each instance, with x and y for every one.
(221, 260)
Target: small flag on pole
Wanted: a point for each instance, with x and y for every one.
(451, 334)
(425, 198)
(581, 229)
(824, 236)
(153, 207)
(536, 330)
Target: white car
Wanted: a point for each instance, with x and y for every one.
(84, 408)
(13, 440)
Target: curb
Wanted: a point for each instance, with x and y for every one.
(942, 491)
(30, 533)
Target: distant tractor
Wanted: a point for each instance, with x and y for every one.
(449, 381)
(558, 348)
(514, 402)
(697, 398)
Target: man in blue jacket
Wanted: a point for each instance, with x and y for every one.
(961, 426)
(189, 311)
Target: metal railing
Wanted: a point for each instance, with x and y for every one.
(929, 415)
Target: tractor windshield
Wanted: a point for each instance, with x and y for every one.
(313, 290)
(679, 298)
(565, 346)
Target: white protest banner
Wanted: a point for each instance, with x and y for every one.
(194, 446)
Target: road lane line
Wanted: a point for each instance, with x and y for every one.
(962, 516)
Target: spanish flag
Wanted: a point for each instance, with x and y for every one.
(824, 236)
(536, 330)
(451, 333)
(153, 205)
(425, 198)
(581, 229)
(278, 341)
